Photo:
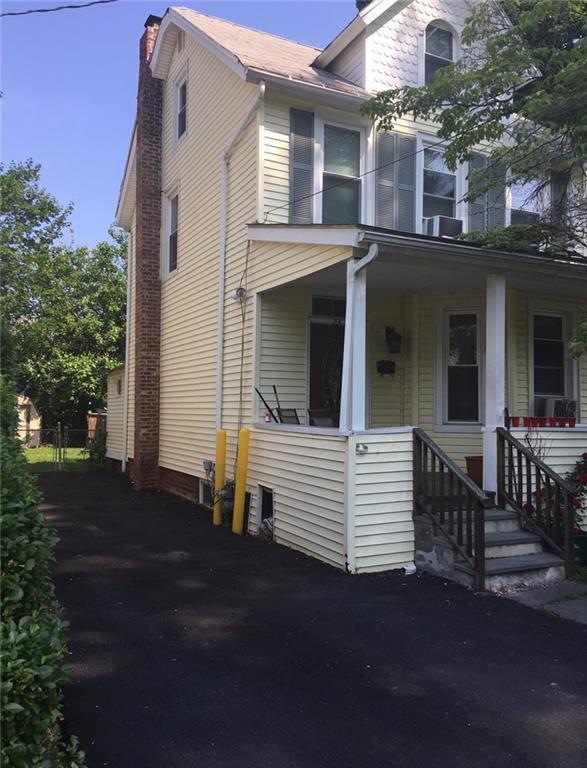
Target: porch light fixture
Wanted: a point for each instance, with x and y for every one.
(393, 341)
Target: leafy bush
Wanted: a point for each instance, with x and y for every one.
(32, 632)
(97, 449)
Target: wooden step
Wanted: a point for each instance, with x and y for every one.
(511, 537)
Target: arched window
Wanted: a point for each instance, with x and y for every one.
(439, 50)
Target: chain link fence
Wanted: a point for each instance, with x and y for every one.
(60, 448)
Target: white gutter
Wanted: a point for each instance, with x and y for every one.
(311, 91)
(224, 162)
(129, 255)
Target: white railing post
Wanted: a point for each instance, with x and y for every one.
(495, 353)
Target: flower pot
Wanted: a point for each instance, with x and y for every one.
(475, 469)
(528, 421)
(560, 421)
(540, 421)
(552, 421)
(571, 421)
(514, 421)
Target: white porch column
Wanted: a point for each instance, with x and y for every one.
(353, 396)
(495, 355)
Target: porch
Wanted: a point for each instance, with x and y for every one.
(394, 338)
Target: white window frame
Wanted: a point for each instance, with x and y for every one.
(571, 369)
(366, 161)
(174, 192)
(442, 424)
(179, 81)
(427, 141)
(456, 46)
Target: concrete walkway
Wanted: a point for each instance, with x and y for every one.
(567, 599)
(193, 648)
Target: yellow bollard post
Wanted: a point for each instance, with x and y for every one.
(219, 475)
(238, 516)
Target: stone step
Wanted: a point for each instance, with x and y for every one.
(512, 544)
(519, 564)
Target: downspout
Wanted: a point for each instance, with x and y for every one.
(354, 268)
(129, 255)
(224, 162)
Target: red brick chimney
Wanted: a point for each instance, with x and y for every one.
(147, 284)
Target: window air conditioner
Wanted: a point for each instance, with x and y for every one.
(442, 226)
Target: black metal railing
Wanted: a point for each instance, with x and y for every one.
(456, 505)
(543, 500)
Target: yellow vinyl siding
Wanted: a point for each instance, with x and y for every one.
(218, 102)
(381, 531)
(115, 410)
(276, 163)
(306, 473)
(283, 343)
(386, 402)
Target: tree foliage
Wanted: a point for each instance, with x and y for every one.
(519, 91)
(65, 306)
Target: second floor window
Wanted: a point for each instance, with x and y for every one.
(439, 51)
(173, 231)
(341, 198)
(525, 203)
(182, 106)
(439, 186)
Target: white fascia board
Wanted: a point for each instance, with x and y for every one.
(127, 195)
(313, 234)
(361, 21)
(307, 91)
(159, 64)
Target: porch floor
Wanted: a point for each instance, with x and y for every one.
(192, 646)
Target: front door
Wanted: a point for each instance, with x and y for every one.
(326, 353)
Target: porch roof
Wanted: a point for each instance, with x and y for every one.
(429, 263)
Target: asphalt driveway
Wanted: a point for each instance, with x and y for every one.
(194, 648)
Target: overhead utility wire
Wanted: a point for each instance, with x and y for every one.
(354, 178)
(57, 8)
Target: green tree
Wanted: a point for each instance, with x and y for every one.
(65, 306)
(518, 91)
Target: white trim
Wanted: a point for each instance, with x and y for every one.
(167, 197)
(443, 310)
(362, 20)
(128, 188)
(494, 378)
(349, 506)
(173, 17)
(313, 234)
(180, 79)
(568, 313)
(415, 359)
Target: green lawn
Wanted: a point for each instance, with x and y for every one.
(42, 459)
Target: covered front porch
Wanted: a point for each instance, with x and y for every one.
(402, 336)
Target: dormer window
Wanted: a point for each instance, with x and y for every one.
(439, 51)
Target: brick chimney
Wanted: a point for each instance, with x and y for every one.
(147, 284)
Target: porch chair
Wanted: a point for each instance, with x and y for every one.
(322, 417)
(288, 416)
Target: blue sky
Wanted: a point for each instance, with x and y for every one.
(69, 88)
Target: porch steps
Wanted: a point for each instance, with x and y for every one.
(504, 574)
(515, 564)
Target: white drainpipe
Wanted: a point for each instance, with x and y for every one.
(129, 255)
(222, 257)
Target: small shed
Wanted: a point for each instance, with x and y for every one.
(115, 414)
(29, 421)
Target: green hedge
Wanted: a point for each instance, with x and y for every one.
(33, 634)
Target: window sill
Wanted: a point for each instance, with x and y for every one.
(165, 278)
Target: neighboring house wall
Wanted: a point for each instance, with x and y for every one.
(217, 104)
(115, 414)
(29, 421)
